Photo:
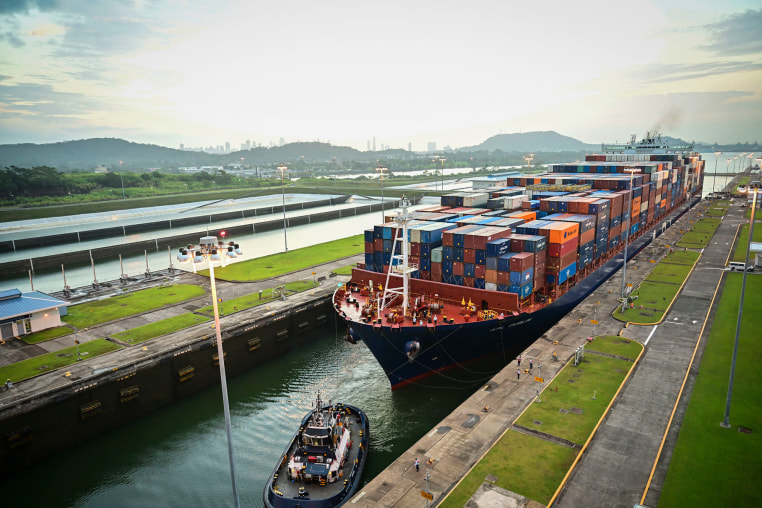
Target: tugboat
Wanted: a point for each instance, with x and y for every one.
(324, 462)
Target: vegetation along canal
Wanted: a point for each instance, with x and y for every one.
(178, 455)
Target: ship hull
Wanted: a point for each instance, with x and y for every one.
(446, 352)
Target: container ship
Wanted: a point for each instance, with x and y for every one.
(488, 271)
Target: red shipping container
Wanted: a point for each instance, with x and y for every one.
(369, 247)
(478, 239)
(587, 236)
(457, 268)
(540, 258)
(517, 243)
(504, 278)
(480, 271)
(415, 249)
(522, 261)
(563, 261)
(436, 268)
(469, 256)
(558, 250)
(468, 282)
(378, 245)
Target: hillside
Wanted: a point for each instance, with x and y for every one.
(539, 141)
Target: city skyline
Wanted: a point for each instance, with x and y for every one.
(399, 73)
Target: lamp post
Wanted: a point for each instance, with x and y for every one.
(726, 421)
(283, 168)
(122, 179)
(714, 180)
(381, 170)
(441, 160)
(727, 170)
(631, 171)
(208, 251)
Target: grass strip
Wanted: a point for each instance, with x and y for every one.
(32, 367)
(117, 307)
(534, 467)
(293, 260)
(700, 234)
(710, 462)
(656, 293)
(571, 412)
(523, 464)
(743, 241)
(253, 299)
(683, 257)
(44, 335)
(159, 328)
(669, 272)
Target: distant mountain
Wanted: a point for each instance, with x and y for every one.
(538, 141)
(86, 154)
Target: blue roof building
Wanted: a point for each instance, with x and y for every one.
(24, 313)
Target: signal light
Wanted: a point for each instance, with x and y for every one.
(223, 233)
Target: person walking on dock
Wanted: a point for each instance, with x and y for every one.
(518, 359)
(417, 465)
(531, 362)
(518, 374)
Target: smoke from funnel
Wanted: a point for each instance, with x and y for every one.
(669, 120)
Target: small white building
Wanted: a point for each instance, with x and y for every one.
(24, 313)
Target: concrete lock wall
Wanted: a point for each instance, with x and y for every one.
(68, 416)
(22, 266)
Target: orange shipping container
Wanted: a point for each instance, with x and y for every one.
(562, 231)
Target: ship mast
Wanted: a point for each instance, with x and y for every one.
(399, 265)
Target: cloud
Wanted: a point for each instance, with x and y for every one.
(12, 39)
(34, 99)
(24, 6)
(737, 34)
(678, 72)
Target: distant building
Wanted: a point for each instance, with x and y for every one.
(101, 169)
(25, 313)
(432, 147)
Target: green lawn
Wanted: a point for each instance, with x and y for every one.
(286, 262)
(50, 333)
(26, 369)
(656, 292)
(596, 375)
(344, 270)
(743, 241)
(163, 327)
(700, 235)
(717, 211)
(669, 272)
(682, 257)
(619, 346)
(710, 464)
(117, 307)
(532, 466)
(253, 300)
(523, 464)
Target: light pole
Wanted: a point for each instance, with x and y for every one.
(727, 170)
(122, 179)
(283, 168)
(529, 158)
(726, 422)
(208, 251)
(381, 170)
(441, 160)
(716, 157)
(631, 171)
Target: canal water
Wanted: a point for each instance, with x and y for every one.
(178, 456)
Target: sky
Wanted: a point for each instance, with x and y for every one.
(402, 73)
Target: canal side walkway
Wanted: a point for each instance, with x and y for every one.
(615, 469)
(33, 389)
